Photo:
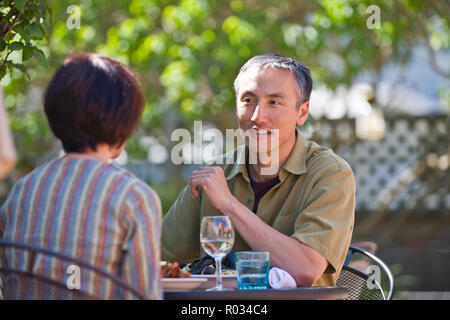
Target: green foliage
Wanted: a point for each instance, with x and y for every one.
(188, 52)
(22, 31)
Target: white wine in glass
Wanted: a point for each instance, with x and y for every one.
(217, 239)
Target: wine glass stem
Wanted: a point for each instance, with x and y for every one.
(218, 272)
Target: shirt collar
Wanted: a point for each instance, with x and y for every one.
(296, 162)
(239, 166)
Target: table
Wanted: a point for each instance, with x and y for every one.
(306, 293)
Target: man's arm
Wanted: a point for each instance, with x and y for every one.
(321, 231)
(305, 264)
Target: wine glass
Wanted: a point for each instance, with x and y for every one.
(217, 239)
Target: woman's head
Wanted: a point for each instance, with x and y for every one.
(93, 100)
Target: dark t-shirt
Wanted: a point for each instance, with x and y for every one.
(261, 188)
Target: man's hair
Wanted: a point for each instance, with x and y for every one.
(93, 99)
(271, 60)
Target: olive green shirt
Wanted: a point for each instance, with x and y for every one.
(314, 202)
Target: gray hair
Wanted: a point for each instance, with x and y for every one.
(271, 60)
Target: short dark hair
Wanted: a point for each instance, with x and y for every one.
(302, 73)
(93, 99)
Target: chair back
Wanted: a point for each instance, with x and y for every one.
(33, 281)
(364, 274)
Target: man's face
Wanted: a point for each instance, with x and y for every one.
(267, 100)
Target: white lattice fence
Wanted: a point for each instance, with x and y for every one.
(412, 159)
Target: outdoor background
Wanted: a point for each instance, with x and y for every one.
(381, 96)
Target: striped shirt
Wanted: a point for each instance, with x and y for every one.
(93, 211)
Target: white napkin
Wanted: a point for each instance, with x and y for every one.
(278, 278)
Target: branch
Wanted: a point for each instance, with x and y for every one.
(5, 22)
(6, 58)
(430, 50)
(433, 62)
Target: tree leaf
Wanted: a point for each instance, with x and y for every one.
(2, 45)
(2, 71)
(15, 45)
(35, 30)
(20, 5)
(27, 53)
(19, 66)
(40, 57)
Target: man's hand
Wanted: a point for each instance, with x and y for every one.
(214, 184)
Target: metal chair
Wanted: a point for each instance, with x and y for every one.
(363, 274)
(28, 283)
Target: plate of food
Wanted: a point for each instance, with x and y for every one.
(175, 279)
(183, 284)
(204, 267)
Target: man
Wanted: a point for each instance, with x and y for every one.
(81, 204)
(302, 213)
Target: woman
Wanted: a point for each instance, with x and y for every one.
(81, 204)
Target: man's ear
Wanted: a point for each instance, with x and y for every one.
(303, 113)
